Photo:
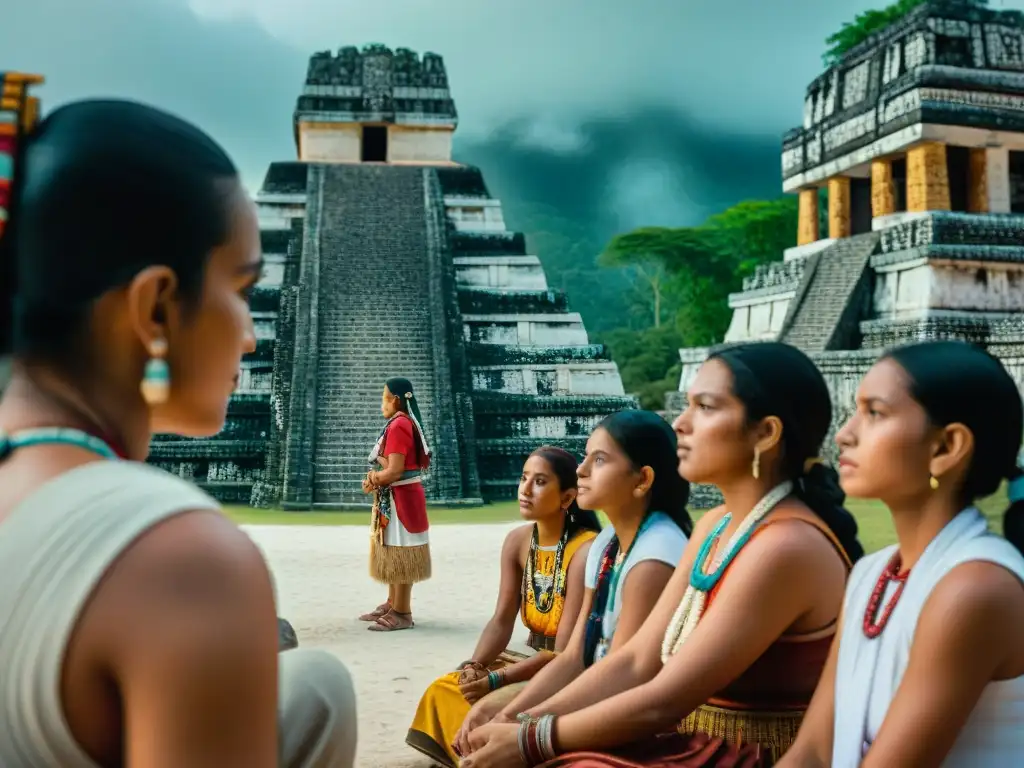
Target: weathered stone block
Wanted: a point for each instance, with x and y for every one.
(883, 189)
(927, 178)
(807, 226)
(977, 181)
(839, 207)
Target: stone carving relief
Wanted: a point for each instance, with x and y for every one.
(377, 82)
(855, 84)
(1005, 47)
(977, 46)
(892, 66)
(915, 52)
(775, 274)
(849, 130)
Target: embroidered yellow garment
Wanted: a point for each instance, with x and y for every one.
(443, 707)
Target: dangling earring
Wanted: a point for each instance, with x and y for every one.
(156, 379)
(755, 469)
(933, 482)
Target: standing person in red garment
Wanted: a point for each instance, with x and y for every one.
(399, 531)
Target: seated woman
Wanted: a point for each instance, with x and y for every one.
(754, 600)
(630, 475)
(541, 580)
(929, 667)
(138, 622)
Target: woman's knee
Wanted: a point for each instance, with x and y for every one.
(318, 710)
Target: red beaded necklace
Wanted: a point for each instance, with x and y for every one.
(872, 628)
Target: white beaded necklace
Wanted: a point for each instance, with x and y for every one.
(691, 607)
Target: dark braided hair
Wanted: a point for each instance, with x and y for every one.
(407, 404)
(775, 379)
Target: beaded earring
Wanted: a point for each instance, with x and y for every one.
(156, 379)
(755, 468)
(933, 482)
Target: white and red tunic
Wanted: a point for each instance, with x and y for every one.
(409, 526)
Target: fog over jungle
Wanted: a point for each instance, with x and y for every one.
(605, 114)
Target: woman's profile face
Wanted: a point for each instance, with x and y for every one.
(607, 477)
(540, 494)
(207, 341)
(713, 441)
(388, 404)
(884, 448)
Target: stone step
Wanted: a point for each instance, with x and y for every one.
(373, 324)
(825, 293)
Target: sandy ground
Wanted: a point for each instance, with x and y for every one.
(323, 586)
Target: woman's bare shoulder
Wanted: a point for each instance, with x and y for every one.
(193, 569)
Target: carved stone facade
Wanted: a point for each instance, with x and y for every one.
(375, 105)
(395, 268)
(918, 136)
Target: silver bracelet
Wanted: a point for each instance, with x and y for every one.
(545, 733)
(524, 727)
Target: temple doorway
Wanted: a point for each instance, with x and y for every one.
(375, 144)
(860, 206)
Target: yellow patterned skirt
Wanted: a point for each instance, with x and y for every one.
(443, 709)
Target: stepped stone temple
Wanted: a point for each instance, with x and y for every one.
(917, 138)
(386, 258)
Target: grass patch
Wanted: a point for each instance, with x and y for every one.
(500, 512)
(873, 518)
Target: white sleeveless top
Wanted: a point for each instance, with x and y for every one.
(869, 672)
(660, 540)
(55, 546)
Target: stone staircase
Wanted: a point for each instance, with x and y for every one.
(827, 308)
(374, 317)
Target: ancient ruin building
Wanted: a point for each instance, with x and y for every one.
(387, 258)
(917, 138)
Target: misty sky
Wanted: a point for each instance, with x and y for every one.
(683, 86)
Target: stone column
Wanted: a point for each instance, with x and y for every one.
(997, 179)
(883, 191)
(927, 178)
(807, 223)
(839, 207)
(977, 181)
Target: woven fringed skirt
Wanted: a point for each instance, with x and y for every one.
(396, 555)
(711, 737)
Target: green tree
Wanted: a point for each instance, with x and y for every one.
(865, 24)
(685, 275)
(643, 253)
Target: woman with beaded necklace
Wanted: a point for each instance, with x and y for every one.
(137, 622)
(754, 600)
(929, 667)
(630, 475)
(542, 572)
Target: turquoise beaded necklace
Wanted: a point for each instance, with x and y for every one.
(620, 561)
(54, 436)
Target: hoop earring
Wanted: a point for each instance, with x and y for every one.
(156, 379)
(933, 482)
(755, 468)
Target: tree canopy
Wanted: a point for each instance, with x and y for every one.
(683, 278)
(865, 24)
